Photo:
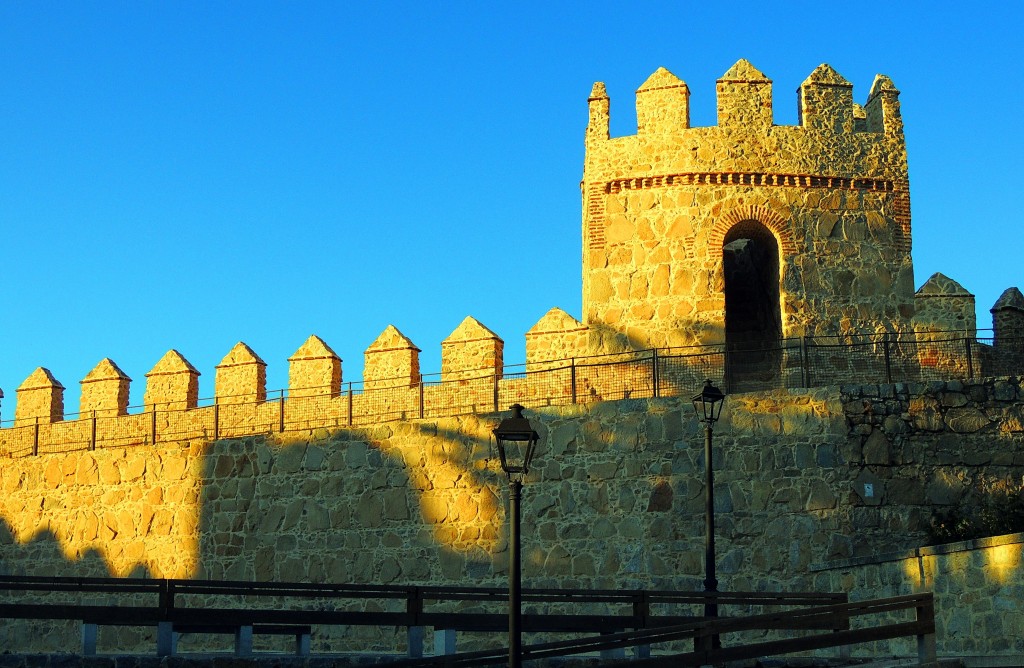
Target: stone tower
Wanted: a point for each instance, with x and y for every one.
(746, 232)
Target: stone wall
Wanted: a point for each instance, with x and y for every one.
(978, 587)
(615, 500)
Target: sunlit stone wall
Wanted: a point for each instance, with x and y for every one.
(615, 500)
(979, 609)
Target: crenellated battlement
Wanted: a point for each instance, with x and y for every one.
(734, 237)
(744, 102)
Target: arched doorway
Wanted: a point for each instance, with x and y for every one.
(753, 312)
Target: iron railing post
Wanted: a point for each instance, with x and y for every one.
(888, 359)
(350, 403)
(280, 411)
(92, 436)
(35, 438)
(970, 362)
(654, 371)
(421, 398)
(805, 365)
(152, 425)
(497, 378)
(572, 377)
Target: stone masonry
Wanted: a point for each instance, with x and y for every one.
(616, 499)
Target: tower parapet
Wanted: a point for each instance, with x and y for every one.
(392, 360)
(172, 384)
(943, 305)
(744, 97)
(105, 391)
(40, 399)
(555, 338)
(662, 103)
(241, 377)
(826, 101)
(471, 351)
(1008, 318)
(314, 370)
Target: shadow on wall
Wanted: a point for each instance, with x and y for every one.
(425, 502)
(45, 554)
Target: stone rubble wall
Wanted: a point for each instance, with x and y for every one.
(978, 587)
(615, 500)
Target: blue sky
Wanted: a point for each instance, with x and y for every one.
(190, 174)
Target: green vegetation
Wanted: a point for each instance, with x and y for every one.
(998, 509)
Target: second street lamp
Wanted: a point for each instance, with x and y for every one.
(708, 406)
(517, 443)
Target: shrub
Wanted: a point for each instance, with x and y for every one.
(998, 509)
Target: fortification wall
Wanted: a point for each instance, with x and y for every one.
(616, 499)
(831, 194)
(979, 612)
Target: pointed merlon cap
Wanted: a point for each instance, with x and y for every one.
(940, 285)
(40, 379)
(314, 349)
(743, 71)
(825, 75)
(556, 320)
(661, 78)
(598, 92)
(240, 355)
(882, 84)
(1010, 299)
(105, 370)
(470, 329)
(391, 339)
(172, 362)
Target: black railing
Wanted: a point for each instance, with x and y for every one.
(791, 363)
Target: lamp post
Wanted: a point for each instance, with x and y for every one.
(708, 406)
(517, 442)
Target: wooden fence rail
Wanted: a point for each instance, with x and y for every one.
(248, 608)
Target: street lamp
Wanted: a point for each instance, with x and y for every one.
(517, 442)
(708, 406)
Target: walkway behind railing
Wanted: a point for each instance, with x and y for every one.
(664, 372)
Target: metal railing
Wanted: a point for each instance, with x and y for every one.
(662, 372)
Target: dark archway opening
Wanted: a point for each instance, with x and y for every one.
(753, 312)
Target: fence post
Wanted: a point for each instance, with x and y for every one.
(805, 365)
(654, 371)
(216, 420)
(496, 379)
(350, 403)
(152, 425)
(92, 436)
(414, 608)
(35, 438)
(926, 641)
(888, 360)
(280, 412)
(970, 362)
(641, 613)
(572, 369)
(421, 398)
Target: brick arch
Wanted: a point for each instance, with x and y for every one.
(767, 217)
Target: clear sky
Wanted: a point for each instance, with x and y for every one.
(191, 174)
